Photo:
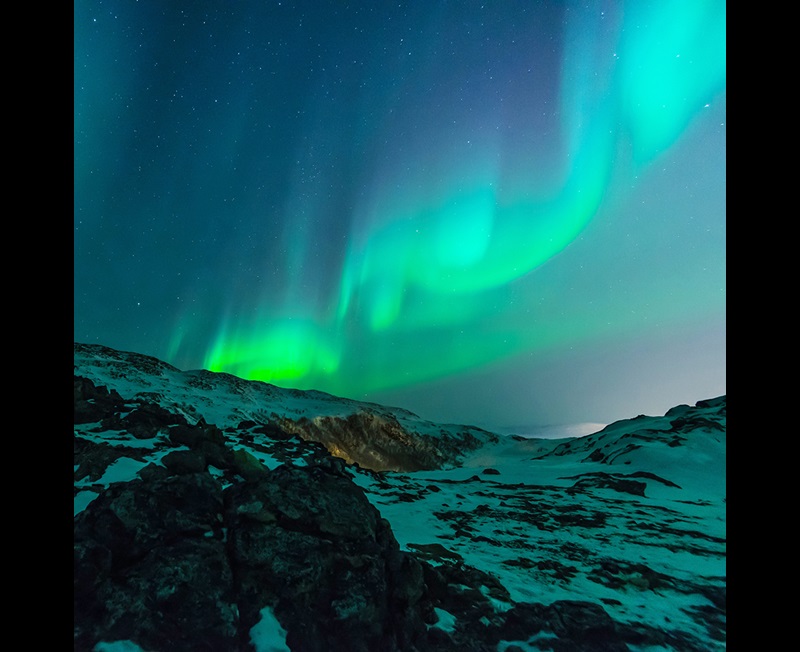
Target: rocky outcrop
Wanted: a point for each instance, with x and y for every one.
(308, 543)
(150, 567)
(373, 441)
(375, 437)
(91, 403)
(181, 563)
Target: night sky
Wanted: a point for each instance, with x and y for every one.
(496, 212)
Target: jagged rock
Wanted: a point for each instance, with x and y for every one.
(93, 458)
(374, 441)
(206, 440)
(192, 435)
(586, 623)
(148, 420)
(182, 462)
(611, 481)
(247, 465)
(150, 566)
(178, 563)
(523, 621)
(92, 403)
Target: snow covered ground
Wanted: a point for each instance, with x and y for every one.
(514, 509)
(632, 516)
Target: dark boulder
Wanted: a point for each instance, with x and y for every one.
(150, 566)
(149, 419)
(178, 563)
(93, 403)
(307, 542)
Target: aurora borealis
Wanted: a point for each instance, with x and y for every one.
(486, 212)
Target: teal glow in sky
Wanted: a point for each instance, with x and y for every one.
(492, 213)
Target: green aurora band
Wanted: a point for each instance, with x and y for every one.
(427, 283)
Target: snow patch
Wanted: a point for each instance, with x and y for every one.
(82, 499)
(447, 621)
(117, 646)
(267, 635)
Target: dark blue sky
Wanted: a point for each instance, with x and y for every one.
(488, 212)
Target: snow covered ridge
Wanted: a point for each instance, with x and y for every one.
(375, 436)
(202, 523)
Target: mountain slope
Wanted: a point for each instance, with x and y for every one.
(374, 436)
(211, 514)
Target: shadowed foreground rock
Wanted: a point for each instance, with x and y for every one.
(181, 564)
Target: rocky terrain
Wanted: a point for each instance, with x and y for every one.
(213, 513)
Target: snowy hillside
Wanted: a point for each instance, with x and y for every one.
(632, 516)
(397, 438)
(612, 541)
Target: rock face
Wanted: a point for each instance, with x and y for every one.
(373, 441)
(149, 568)
(308, 543)
(179, 563)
